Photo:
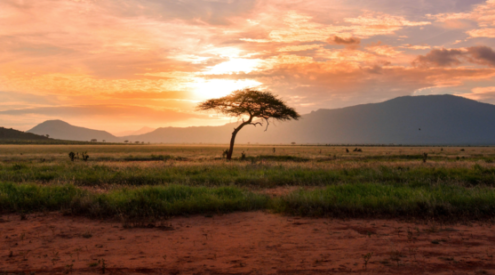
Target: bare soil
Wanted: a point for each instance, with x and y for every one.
(242, 243)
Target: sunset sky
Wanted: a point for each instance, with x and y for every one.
(121, 65)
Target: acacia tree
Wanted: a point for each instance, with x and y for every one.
(251, 104)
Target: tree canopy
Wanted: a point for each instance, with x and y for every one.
(253, 104)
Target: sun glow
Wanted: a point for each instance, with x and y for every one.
(215, 88)
(235, 65)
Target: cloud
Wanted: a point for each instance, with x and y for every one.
(383, 50)
(440, 57)
(487, 32)
(452, 57)
(213, 12)
(384, 22)
(415, 47)
(16, 98)
(346, 41)
(128, 113)
(297, 27)
(299, 48)
(482, 55)
(482, 14)
(485, 94)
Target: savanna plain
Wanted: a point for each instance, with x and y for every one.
(184, 209)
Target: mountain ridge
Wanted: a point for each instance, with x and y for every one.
(413, 120)
(59, 129)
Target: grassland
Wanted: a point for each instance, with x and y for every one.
(169, 180)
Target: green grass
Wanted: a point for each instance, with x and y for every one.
(86, 174)
(439, 202)
(161, 181)
(447, 202)
(156, 201)
(24, 198)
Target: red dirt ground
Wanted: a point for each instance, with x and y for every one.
(242, 243)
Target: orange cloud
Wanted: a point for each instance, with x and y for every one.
(487, 32)
(482, 14)
(486, 94)
(297, 27)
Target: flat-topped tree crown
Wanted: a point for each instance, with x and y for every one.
(251, 103)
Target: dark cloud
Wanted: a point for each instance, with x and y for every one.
(482, 55)
(451, 57)
(440, 58)
(344, 41)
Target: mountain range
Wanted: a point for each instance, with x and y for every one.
(141, 131)
(418, 120)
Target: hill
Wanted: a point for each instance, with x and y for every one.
(12, 134)
(413, 120)
(62, 130)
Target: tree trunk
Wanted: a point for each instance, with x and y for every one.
(232, 140)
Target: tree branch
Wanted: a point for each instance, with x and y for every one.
(257, 123)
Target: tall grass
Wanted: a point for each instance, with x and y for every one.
(34, 198)
(374, 200)
(157, 201)
(440, 202)
(242, 175)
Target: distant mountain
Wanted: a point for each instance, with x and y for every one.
(413, 120)
(436, 119)
(141, 131)
(204, 134)
(11, 134)
(62, 130)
